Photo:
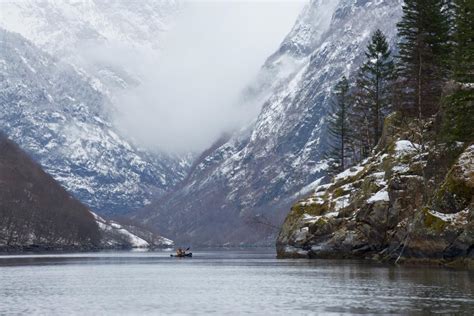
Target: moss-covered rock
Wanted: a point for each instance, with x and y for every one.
(445, 228)
(433, 222)
(457, 191)
(401, 204)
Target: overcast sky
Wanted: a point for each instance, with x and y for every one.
(188, 95)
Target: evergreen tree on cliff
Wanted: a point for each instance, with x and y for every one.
(458, 107)
(338, 127)
(464, 41)
(424, 51)
(374, 87)
(359, 117)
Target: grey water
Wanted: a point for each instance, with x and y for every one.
(246, 281)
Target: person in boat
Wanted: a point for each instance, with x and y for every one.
(180, 252)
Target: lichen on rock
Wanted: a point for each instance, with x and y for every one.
(398, 205)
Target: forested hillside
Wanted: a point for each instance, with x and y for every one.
(36, 213)
(36, 210)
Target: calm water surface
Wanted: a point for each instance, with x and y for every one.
(224, 282)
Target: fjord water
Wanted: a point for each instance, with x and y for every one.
(224, 282)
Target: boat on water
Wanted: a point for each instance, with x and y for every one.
(181, 253)
(190, 254)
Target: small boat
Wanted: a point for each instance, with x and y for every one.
(182, 256)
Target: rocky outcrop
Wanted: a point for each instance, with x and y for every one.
(444, 229)
(409, 201)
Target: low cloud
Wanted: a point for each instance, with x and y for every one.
(189, 90)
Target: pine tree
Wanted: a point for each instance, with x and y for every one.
(361, 131)
(423, 55)
(338, 127)
(374, 85)
(464, 41)
(458, 106)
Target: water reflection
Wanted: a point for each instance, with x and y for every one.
(244, 281)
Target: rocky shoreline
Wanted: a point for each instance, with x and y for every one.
(408, 203)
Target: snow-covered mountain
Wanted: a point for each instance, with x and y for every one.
(59, 117)
(97, 37)
(59, 26)
(239, 190)
(58, 93)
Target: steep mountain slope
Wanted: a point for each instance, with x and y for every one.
(61, 26)
(36, 213)
(61, 119)
(95, 36)
(240, 190)
(35, 209)
(407, 202)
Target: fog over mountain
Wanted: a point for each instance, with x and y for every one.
(180, 104)
(195, 81)
(171, 67)
(242, 187)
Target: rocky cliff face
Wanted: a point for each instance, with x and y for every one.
(408, 201)
(241, 188)
(59, 117)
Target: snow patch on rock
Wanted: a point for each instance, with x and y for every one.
(381, 195)
(406, 147)
(114, 235)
